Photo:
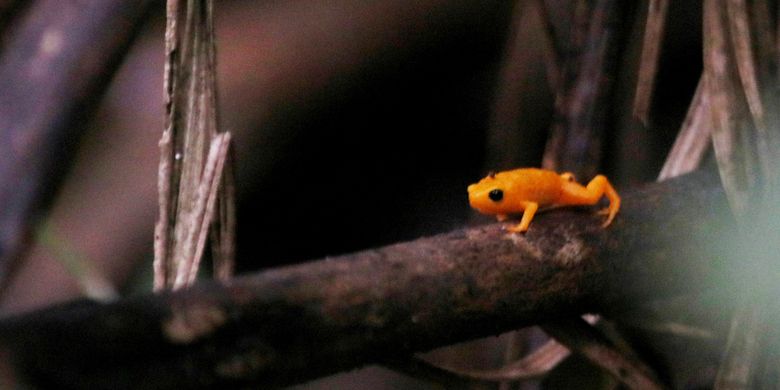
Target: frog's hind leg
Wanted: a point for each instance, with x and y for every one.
(575, 194)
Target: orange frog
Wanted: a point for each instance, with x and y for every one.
(526, 189)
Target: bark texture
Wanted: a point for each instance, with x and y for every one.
(295, 323)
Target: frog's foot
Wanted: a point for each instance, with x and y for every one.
(516, 228)
(501, 217)
(610, 213)
(528, 215)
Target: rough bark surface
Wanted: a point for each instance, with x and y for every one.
(295, 323)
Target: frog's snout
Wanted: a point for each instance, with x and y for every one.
(473, 197)
(472, 189)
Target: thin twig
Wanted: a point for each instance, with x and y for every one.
(578, 335)
(738, 167)
(223, 229)
(694, 138)
(742, 349)
(744, 59)
(166, 185)
(224, 235)
(648, 64)
(207, 199)
(534, 365)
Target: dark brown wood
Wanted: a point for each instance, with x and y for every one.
(291, 324)
(578, 335)
(57, 59)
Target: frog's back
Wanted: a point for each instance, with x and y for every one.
(532, 184)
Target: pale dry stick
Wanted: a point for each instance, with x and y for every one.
(648, 64)
(673, 328)
(224, 225)
(194, 154)
(743, 43)
(588, 341)
(207, 198)
(162, 228)
(694, 138)
(224, 247)
(193, 146)
(220, 190)
(732, 134)
(208, 55)
(166, 199)
(175, 160)
(766, 63)
(738, 363)
(534, 365)
(739, 32)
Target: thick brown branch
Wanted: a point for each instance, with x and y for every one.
(294, 323)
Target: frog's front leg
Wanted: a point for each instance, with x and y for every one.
(528, 215)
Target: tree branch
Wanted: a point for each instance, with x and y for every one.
(296, 323)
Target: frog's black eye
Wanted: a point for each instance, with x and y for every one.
(496, 195)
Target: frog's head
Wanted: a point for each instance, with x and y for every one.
(488, 195)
